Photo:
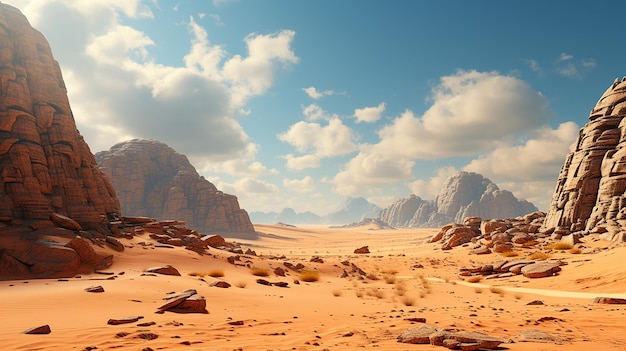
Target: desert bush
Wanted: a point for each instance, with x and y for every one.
(376, 292)
(478, 290)
(260, 272)
(560, 245)
(509, 253)
(359, 293)
(539, 256)
(309, 276)
(517, 296)
(474, 279)
(216, 273)
(241, 284)
(400, 289)
(575, 251)
(408, 301)
(337, 292)
(496, 290)
(390, 279)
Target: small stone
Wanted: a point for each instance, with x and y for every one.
(43, 329)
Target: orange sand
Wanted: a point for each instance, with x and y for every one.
(333, 313)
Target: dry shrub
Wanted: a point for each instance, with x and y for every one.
(560, 245)
(216, 273)
(260, 272)
(241, 284)
(474, 279)
(359, 293)
(400, 289)
(197, 274)
(376, 292)
(423, 293)
(309, 276)
(390, 271)
(509, 253)
(337, 292)
(408, 301)
(575, 251)
(496, 290)
(529, 243)
(478, 290)
(517, 296)
(372, 276)
(390, 279)
(539, 256)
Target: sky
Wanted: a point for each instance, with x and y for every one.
(300, 104)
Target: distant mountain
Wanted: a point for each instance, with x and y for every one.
(349, 211)
(352, 210)
(462, 195)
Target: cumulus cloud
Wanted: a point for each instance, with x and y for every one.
(304, 185)
(118, 90)
(313, 93)
(313, 112)
(471, 113)
(332, 139)
(369, 114)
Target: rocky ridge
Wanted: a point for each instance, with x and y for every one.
(590, 191)
(153, 180)
(50, 183)
(465, 194)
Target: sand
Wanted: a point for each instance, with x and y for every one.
(332, 313)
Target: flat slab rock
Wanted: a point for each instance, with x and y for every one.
(43, 329)
(125, 320)
(534, 335)
(429, 334)
(609, 300)
(541, 269)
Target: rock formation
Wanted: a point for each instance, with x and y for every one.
(590, 190)
(46, 165)
(465, 194)
(153, 180)
(50, 184)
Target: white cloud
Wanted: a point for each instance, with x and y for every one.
(304, 185)
(302, 162)
(314, 94)
(369, 114)
(534, 66)
(217, 19)
(567, 67)
(118, 91)
(471, 113)
(333, 139)
(249, 186)
(314, 112)
(429, 189)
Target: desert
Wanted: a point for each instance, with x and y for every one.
(144, 247)
(408, 282)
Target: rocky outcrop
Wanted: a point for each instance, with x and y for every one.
(153, 180)
(50, 183)
(45, 164)
(590, 190)
(465, 194)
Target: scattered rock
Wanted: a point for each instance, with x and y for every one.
(125, 320)
(221, 284)
(43, 329)
(534, 335)
(95, 289)
(362, 250)
(541, 269)
(165, 270)
(609, 300)
(419, 335)
(187, 301)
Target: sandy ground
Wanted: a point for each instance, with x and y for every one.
(332, 313)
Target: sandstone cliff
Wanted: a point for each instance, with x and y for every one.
(153, 180)
(590, 190)
(46, 165)
(465, 194)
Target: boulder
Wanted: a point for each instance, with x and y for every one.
(419, 335)
(457, 235)
(362, 250)
(165, 270)
(43, 329)
(541, 269)
(609, 300)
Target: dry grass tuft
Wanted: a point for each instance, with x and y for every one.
(408, 301)
(478, 290)
(560, 245)
(240, 284)
(376, 292)
(474, 279)
(529, 243)
(400, 289)
(359, 293)
(309, 276)
(509, 253)
(389, 271)
(517, 296)
(337, 292)
(196, 274)
(390, 279)
(575, 251)
(496, 290)
(216, 273)
(260, 272)
(539, 256)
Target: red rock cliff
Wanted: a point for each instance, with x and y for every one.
(151, 179)
(45, 164)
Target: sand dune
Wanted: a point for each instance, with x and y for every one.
(333, 313)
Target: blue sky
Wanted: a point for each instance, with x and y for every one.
(302, 103)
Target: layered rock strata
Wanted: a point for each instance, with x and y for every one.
(50, 183)
(153, 180)
(465, 194)
(590, 191)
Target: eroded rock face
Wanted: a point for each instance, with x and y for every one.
(463, 195)
(153, 180)
(45, 164)
(589, 194)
